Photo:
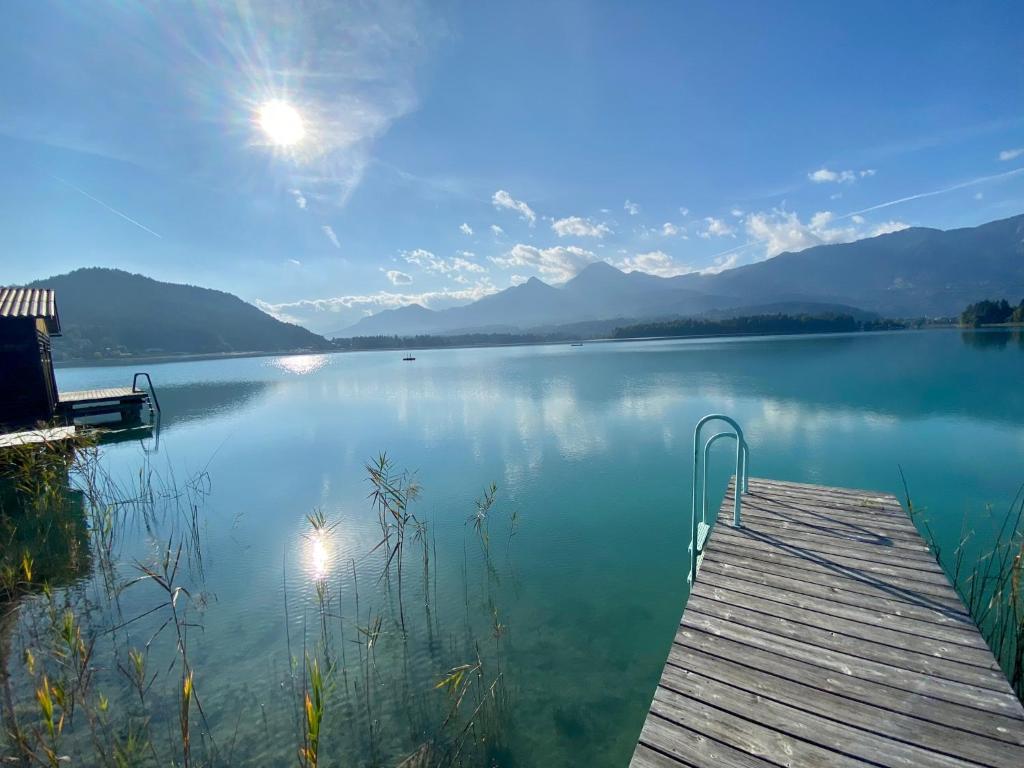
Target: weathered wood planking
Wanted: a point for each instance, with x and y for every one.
(101, 395)
(823, 633)
(34, 436)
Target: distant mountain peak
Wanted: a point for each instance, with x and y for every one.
(597, 267)
(910, 273)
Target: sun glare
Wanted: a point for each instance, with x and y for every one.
(319, 557)
(281, 123)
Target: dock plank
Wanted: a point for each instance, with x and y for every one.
(823, 632)
(101, 395)
(36, 436)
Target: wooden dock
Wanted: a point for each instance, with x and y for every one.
(823, 633)
(36, 436)
(87, 402)
(102, 395)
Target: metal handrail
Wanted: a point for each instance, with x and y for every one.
(704, 476)
(742, 479)
(152, 389)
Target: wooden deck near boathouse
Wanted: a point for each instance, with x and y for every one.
(823, 633)
(87, 402)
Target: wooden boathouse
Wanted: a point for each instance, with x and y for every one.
(820, 631)
(28, 389)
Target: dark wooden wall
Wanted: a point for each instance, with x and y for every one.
(28, 389)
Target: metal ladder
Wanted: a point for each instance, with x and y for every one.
(699, 528)
(154, 404)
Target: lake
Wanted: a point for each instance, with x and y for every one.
(569, 596)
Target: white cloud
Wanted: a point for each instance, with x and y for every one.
(1011, 154)
(503, 199)
(398, 278)
(517, 279)
(295, 262)
(736, 212)
(579, 227)
(684, 211)
(334, 313)
(857, 219)
(300, 199)
(825, 175)
(653, 263)
(720, 264)
(496, 230)
(465, 229)
(887, 227)
(979, 195)
(716, 228)
(454, 266)
(329, 231)
(668, 229)
(631, 208)
(780, 230)
(558, 263)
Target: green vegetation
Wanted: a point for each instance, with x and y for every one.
(760, 324)
(990, 312)
(989, 577)
(86, 680)
(427, 341)
(683, 326)
(107, 313)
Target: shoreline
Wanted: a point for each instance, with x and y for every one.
(145, 359)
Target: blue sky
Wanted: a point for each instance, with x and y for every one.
(453, 149)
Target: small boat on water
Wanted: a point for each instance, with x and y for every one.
(408, 357)
(576, 344)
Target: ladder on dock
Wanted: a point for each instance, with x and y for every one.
(128, 402)
(822, 632)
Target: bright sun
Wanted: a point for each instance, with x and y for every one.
(281, 123)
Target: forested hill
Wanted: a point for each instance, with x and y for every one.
(110, 313)
(756, 325)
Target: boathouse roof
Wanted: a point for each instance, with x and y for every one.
(31, 302)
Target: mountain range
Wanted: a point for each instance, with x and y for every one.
(915, 272)
(109, 313)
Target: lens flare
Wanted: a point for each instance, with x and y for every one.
(281, 123)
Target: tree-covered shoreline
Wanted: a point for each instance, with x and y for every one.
(992, 312)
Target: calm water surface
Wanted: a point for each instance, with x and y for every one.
(590, 448)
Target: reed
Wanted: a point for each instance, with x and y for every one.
(479, 518)
(991, 583)
(391, 494)
(313, 712)
(102, 684)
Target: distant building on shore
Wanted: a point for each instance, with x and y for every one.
(28, 388)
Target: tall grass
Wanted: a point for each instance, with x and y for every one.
(989, 577)
(86, 679)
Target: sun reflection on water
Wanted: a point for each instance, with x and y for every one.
(318, 558)
(300, 364)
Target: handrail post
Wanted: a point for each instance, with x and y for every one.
(693, 506)
(739, 488)
(704, 473)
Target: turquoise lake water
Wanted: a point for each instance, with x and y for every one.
(576, 601)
